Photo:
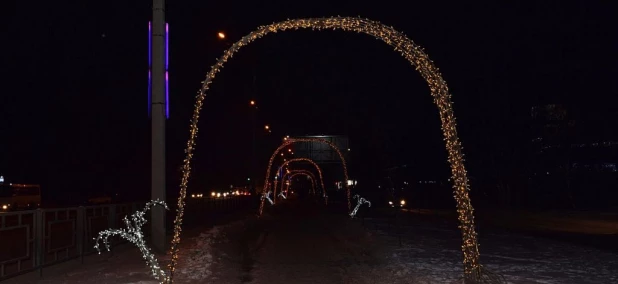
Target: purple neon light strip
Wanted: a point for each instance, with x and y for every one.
(167, 45)
(149, 91)
(149, 44)
(167, 93)
(149, 66)
(167, 61)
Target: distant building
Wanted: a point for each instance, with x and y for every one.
(574, 157)
(320, 152)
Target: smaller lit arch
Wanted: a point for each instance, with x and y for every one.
(312, 179)
(267, 181)
(290, 141)
(294, 173)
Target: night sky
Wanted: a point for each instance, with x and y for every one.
(73, 110)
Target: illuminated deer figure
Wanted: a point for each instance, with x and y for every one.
(361, 201)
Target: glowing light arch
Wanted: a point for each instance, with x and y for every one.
(289, 173)
(290, 141)
(292, 173)
(309, 176)
(285, 164)
(439, 91)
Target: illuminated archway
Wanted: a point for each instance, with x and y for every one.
(283, 165)
(290, 141)
(439, 91)
(312, 179)
(289, 174)
(292, 176)
(293, 173)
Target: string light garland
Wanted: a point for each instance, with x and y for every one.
(133, 233)
(309, 176)
(361, 201)
(439, 91)
(290, 141)
(288, 172)
(286, 163)
(293, 175)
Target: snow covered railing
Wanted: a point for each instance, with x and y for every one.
(71, 221)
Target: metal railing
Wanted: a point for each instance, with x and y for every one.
(34, 239)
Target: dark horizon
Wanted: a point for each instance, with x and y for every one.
(74, 118)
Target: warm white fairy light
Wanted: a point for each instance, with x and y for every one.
(286, 163)
(289, 141)
(311, 178)
(133, 233)
(267, 197)
(439, 91)
(361, 201)
(308, 174)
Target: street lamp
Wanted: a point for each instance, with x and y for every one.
(266, 127)
(252, 102)
(221, 35)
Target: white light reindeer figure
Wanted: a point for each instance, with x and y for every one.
(267, 197)
(282, 195)
(133, 233)
(360, 202)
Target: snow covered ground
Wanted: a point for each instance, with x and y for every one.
(434, 252)
(301, 245)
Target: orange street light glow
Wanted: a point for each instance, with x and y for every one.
(221, 35)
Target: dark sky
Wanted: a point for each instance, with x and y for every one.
(73, 110)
